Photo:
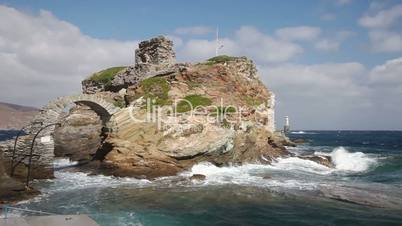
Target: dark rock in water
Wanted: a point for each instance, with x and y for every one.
(198, 177)
(299, 141)
(321, 159)
(267, 177)
(12, 190)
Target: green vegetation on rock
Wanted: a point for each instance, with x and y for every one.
(192, 101)
(119, 103)
(252, 101)
(157, 90)
(220, 59)
(106, 76)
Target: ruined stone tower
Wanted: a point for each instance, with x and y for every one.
(154, 55)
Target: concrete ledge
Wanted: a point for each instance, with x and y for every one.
(54, 220)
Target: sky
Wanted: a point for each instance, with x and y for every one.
(332, 64)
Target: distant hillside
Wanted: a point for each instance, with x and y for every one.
(14, 116)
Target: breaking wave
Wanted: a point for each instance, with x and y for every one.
(345, 160)
(352, 161)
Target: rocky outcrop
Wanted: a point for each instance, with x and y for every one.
(320, 159)
(12, 190)
(79, 136)
(175, 142)
(160, 133)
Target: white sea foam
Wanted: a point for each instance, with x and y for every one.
(63, 162)
(292, 173)
(302, 132)
(297, 164)
(298, 132)
(248, 175)
(77, 180)
(252, 174)
(352, 161)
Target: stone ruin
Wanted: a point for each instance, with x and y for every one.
(152, 58)
(154, 55)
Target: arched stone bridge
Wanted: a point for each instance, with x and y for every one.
(50, 115)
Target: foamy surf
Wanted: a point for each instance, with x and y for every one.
(245, 175)
(351, 161)
(302, 132)
(299, 172)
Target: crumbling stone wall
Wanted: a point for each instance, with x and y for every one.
(152, 58)
(154, 55)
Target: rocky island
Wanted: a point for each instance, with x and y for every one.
(155, 118)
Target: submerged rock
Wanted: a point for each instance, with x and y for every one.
(320, 159)
(198, 177)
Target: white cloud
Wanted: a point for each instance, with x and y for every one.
(383, 18)
(388, 74)
(247, 41)
(338, 95)
(196, 30)
(333, 43)
(42, 57)
(303, 33)
(263, 47)
(319, 96)
(381, 28)
(385, 41)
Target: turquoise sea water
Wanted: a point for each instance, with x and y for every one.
(365, 188)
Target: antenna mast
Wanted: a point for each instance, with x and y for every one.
(217, 41)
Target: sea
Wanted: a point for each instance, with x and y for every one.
(364, 188)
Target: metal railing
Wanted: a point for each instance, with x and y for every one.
(14, 157)
(5, 211)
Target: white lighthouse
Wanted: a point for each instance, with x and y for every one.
(286, 127)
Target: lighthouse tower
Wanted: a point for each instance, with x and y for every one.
(286, 128)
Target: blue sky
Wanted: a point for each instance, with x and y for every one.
(327, 61)
(128, 20)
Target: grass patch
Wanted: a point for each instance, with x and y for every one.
(194, 101)
(220, 59)
(157, 90)
(106, 76)
(119, 103)
(253, 101)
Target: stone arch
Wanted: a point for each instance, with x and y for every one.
(50, 115)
